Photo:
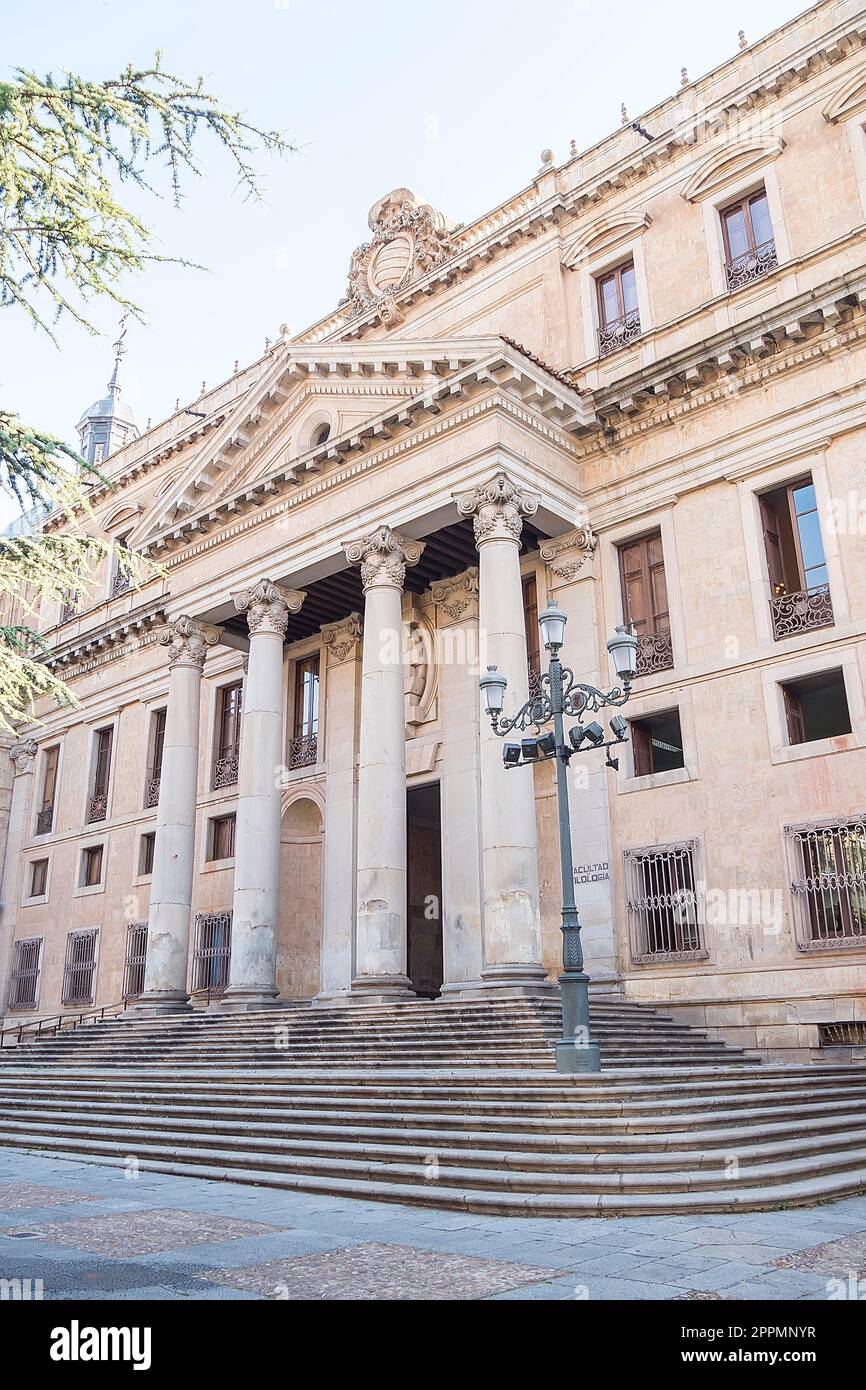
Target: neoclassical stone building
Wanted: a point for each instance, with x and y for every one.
(637, 387)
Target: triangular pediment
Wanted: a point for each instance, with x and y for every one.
(278, 423)
(368, 394)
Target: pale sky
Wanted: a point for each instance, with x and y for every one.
(454, 99)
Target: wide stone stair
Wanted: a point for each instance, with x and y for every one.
(447, 1105)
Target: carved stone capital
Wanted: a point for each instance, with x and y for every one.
(267, 606)
(457, 596)
(188, 640)
(383, 556)
(342, 639)
(498, 507)
(566, 555)
(23, 753)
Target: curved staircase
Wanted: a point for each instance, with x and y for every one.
(447, 1104)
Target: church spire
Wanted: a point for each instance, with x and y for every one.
(108, 424)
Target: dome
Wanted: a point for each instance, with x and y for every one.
(108, 408)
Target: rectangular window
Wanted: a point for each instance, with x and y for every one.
(750, 248)
(212, 952)
(222, 838)
(45, 814)
(91, 866)
(796, 566)
(134, 960)
(38, 878)
(645, 601)
(664, 910)
(98, 807)
(121, 581)
(533, 634)
(828, 883)
(228, 738)
(154, 771)
(657, 743)
(816, 707)
(618, 313)
(80, 967)
(303, 750)
(147, 847)
(25, 973)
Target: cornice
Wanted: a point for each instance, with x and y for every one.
(107, 640)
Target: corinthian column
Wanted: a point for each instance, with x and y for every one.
(23, 754)
(380, 923)
(253, 967)
(509, 858)
(165, 971)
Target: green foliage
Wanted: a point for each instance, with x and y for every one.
(66, 240)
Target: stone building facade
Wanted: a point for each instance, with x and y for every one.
(637, 387)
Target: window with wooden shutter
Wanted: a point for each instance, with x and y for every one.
(645, 601)
(657, 743)
(45, 814)
(618, 312)
(796, 564)
(750, 246)
(228, 739)
(98, 809)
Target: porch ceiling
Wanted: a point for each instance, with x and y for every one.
(448, 551)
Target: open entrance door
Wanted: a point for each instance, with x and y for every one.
(424, 889)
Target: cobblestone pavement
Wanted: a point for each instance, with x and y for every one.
(93, 1232)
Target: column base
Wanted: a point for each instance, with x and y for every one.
(242, 999)
(380, 989)
(512, 981)
(457, 989)
(157, 1004)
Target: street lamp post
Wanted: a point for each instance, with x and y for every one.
(561, 695)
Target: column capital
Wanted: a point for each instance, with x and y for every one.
(342, 639)
(566, 555)
(267, 606)
(498, 507)
(188, 640)
(383, 556)
(22, 753)
(457, 595)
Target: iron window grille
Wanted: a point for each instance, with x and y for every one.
(79, 967)
(827, 862)
(24, 983)
(212, 953)
(135, 960)
(665, 911)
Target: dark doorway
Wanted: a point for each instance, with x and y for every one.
(424, 889)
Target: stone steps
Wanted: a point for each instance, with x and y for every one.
(444, 1105)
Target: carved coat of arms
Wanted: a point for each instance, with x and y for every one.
(409, 238)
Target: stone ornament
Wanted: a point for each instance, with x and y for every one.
(567, 555)
(409, 239)
(341, 639)
(267, 606)
(498, 507)
(457, 595)
(188, 640)
(23, 754)
(383, 557)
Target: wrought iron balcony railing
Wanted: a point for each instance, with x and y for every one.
(304, 750)
(618, 333)
(225, 770)
(121, 584)
(800, 612)
(751, 265)
(98, 808)
(45, 820)
(655, 652)
(151, 790)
